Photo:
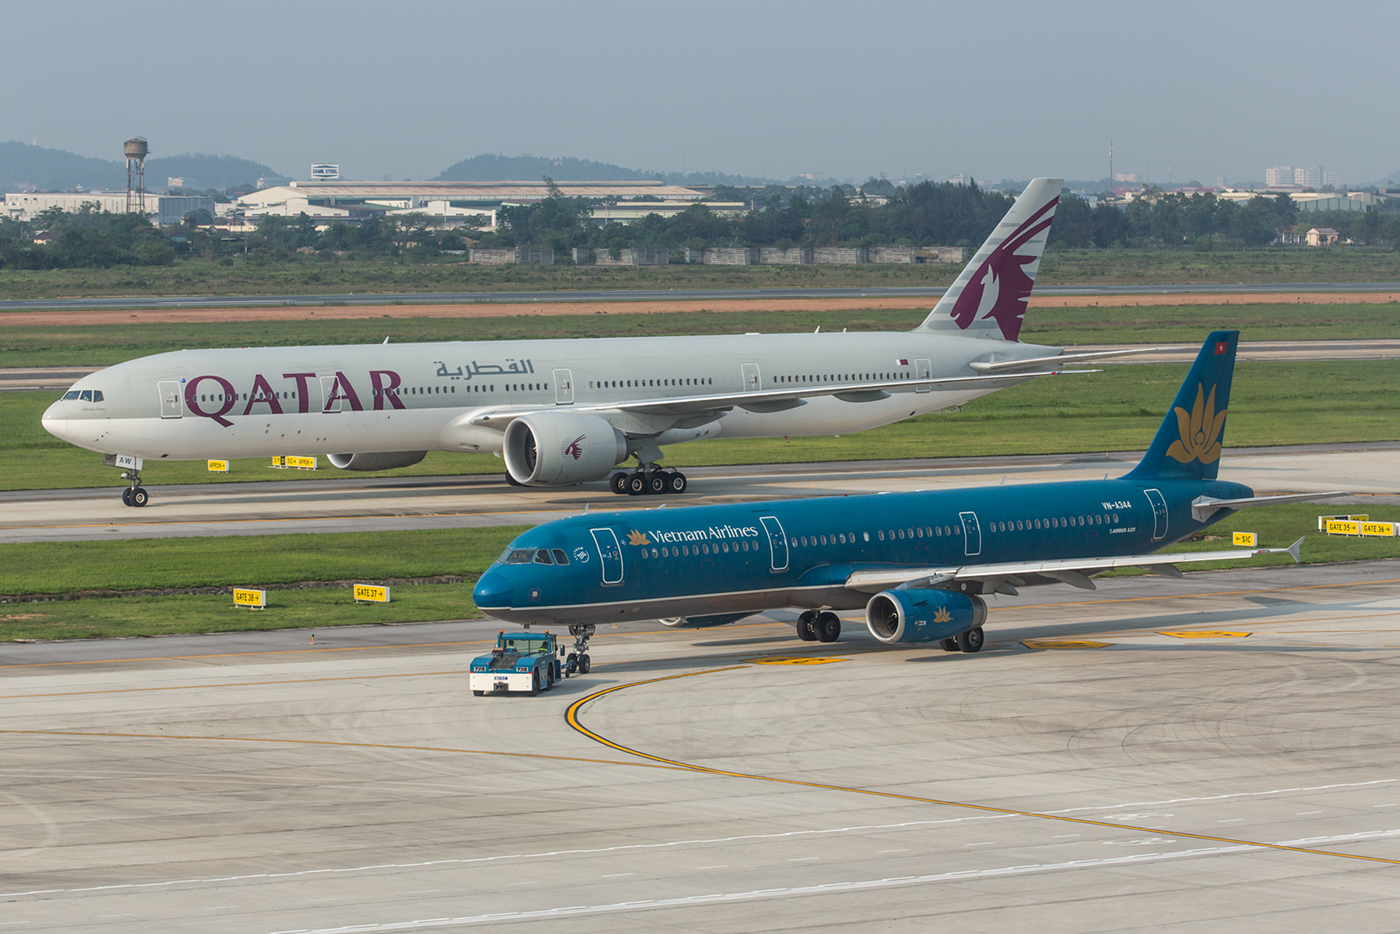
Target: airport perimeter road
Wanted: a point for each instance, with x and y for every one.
(1213, 753)
(626, 295)
(383, 504)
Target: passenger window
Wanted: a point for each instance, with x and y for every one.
(938, 530)
(867, 535)
(685, 551)
(560, 557)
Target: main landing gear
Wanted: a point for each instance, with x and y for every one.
(970, 641)
(136, 494)
(578, 661)
(648, 481)
(818, 627)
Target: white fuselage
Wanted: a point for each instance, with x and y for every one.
(197, 404)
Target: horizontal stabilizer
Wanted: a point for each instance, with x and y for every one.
(884, 578)
(1203, 507)
(1013, 366)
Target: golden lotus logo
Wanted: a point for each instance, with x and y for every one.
(941, 615)
(1199, 430)
(637, 538)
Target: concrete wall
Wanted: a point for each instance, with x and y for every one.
(893, 254)
(793, 256)
(731, 256)
(627, 257)
(841, 255)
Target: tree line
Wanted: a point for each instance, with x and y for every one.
(876, 213)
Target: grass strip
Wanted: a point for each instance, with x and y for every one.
(325, 273)
(106, 344)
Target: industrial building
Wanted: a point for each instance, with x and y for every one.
(162, 210)
(349, 201)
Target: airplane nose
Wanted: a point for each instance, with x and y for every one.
(494, 591)
(55, 419)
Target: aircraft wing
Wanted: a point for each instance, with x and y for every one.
(770, 400)
(1073, 571)
(1015, 366)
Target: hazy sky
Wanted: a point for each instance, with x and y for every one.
(995, 89)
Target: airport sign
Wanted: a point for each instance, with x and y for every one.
(256, 599)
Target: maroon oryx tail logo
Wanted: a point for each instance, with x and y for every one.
(1000, 286)
(574, 448)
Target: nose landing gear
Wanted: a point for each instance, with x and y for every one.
(578, 660)
(136, 494)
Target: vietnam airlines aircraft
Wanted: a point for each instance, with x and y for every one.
(568, 411)
(919, 563)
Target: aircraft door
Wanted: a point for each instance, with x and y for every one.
(330, 399)
(611, 554)
(777, 542)
(972, 534)
(563, 387)
(171, 405)
(1159, 514)
(753, 382)
(922, 370)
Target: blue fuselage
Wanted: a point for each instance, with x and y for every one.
(714, 560)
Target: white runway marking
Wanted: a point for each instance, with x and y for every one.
(1237, 794)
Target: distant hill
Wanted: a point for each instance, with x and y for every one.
(23, 165)
(489, 168)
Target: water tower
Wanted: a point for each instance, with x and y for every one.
(135, 150)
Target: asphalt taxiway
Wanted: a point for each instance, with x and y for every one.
(387, 504)
(1211, 753)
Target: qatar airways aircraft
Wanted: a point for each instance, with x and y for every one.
(570, 411)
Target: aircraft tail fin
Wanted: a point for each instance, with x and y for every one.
(989, 298)
(1188, 444)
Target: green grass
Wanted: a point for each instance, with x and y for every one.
(255, 560)
(103, 345)
(1118, 409)
(288, 609)
(224, 561)
(329, 275)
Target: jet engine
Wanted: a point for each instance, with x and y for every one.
(386, 460)
(910, 616)
(547, 448)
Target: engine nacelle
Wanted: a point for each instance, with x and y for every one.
(387, 460)
(704, 622)
(911, 616)
(547, 448)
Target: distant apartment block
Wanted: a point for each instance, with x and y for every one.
(1278, 175)
(1312, 176)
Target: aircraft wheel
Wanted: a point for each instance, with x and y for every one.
(584, 664)
(805, 630)
(478, 693)
(618, 482)
(676, 483)
(971, 641)
(636, 484)
(126, 496)
(949, 645)
(139, 496)
(828, 627)
(658, 483)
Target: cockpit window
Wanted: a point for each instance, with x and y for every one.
(520, 556)
(543, 557)
(70, 394)
(97, 395)
(560, 557)
(85, 395)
